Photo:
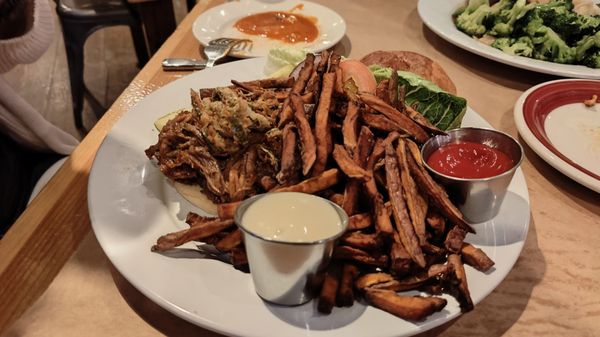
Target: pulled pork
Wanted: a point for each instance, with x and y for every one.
(224, 144)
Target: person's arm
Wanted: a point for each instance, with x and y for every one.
(16, 18)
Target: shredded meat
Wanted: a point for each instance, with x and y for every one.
(202, 145)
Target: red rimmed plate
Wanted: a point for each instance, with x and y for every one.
(553, 120)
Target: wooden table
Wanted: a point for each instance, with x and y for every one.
(55, 279)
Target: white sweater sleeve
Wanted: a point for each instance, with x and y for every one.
(18, 118)
(30, 46)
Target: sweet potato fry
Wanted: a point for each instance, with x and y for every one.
(322, 132)
(308, 98)
(372, 279)
(273, 82)
(416, 204)
(415, 151)
(338, 199)
(246, 86)
(345, 295)
(347, 165)
(361, 154)
(267, 183)
(230, 241)
(194, 219)
(334, 62)
(312, 85)
(400, 260)
(454, 239)
(380, 122)
(287, 113)
(307, 139)
(476, 258)
(350, 201)
(407, 124)
(463, 295)
(422, 121)
(227, 211)
(288, 155)
(329, 290)
(200, 232)
(359, 221)
(324, 61)
(403, 224)
(354, 254)
(392, 88)
(315, 184)
(437, 222)
(381, 91)
(362, 241)
(239, 260)
(415, 308)
(339, 83)
(437, 195)
(365, 144)
(417, 281)
(350, 127)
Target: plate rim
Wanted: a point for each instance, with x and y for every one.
(207, 323)
(542, 150)
(451, 34)
(265, 6)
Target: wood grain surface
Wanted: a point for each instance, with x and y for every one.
(553, 289)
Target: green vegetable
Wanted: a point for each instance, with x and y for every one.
(442, 109)
(550, 32)
(522, 46)
(281, 61)
(571, 26)
(587, 51)
(507, 17)
(470, 19)
(548, 45)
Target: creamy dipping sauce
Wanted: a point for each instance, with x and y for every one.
(284, 26)
(292, 217)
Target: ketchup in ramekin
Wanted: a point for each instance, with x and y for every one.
(469, 160)
(475, 166)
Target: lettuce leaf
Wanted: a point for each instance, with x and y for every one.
(442, 109)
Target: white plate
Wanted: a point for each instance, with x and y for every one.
(131, 204)
(218, 22)
(437, 15)
(554, 122)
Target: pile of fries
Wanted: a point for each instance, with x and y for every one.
(361, 150)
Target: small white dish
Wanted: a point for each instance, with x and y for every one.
(437, 16)
(219, 22)
(554, 122)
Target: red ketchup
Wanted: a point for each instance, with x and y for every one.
(469, 160)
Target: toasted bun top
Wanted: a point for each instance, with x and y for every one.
(413, 62)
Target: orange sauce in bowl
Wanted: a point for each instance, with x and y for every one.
(284, 26)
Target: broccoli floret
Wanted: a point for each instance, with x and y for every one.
(470, 20)
(587, 46)
(569, 25)
(592, 60)
(506, 18)
(548, 45)
(522, 46)
(471, 6)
